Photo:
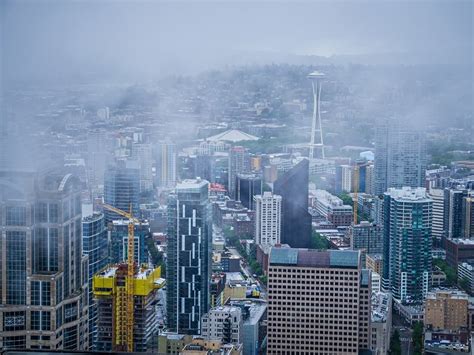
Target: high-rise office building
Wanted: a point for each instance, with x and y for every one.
(453, 216)
(122, 188)
(366, 237)
(188, 258)
(407, 243)
(44, 290)
(94, 245)
(142, 152)
(400, 157)
(437, 226)
(319, 302)
(248, 186)
(468, 217)
(239, 162)
(267, 219)
(343, 181)
(165, 155)
(293, 188)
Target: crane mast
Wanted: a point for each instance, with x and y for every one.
(125, 300)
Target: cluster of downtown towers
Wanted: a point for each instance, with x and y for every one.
(44, 271)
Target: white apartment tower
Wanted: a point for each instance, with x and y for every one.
(267, 219)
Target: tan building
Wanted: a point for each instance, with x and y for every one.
(172, 343)
(446, 310)
(200, 346)
(374, 263)
(318, 302)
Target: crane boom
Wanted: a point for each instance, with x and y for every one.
(124, 333)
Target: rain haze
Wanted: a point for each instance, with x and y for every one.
(199, 168)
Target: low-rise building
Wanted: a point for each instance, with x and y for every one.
(458, 251)
(201, 346)
(332, 208)
(446, 310)
(253, 329)
(223, 323)
(381, 322)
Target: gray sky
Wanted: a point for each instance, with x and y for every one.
(63, 40)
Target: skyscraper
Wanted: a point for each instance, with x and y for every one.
(165, 155)
(239, 162)
(142, 152)
(94, 244)
(44, 298)
(119, 241)
(453, 216)
(468, 217)
(188, 258)
(407, 243)
(318, 302)
(400, 157)
(267, 219)
(437, 225)
(293, 188)
(122, 188)
(247, 186)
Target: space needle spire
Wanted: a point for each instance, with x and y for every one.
(316, 127)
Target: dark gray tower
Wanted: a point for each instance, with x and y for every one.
(292, 186)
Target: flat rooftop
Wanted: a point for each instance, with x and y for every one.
(314, 258)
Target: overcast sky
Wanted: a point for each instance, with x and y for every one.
(136, 39)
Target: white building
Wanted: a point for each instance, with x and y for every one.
(223, 323)
(267, 219)
(346, 178)
(437, 195)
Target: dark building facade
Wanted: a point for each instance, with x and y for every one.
(122, 189)
(293, 187)
(453, 216)
(248, 186)
(189, 256)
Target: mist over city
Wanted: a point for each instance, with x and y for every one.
(223, 177)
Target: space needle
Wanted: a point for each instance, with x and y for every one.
(316, 78)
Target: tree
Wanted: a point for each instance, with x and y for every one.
(451, 274)
(319, 242)
(395, 344)
(346, 199)
(417, 338)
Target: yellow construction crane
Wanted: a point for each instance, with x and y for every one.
(355, 198)
(125, 303)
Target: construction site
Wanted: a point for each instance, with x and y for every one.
(120, 328)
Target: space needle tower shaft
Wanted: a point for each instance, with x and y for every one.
(316, 127)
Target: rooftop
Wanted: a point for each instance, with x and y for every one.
(232, 135)
(408, 194)
(314, 258)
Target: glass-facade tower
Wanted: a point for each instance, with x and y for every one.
(43, 283)
(189, 256)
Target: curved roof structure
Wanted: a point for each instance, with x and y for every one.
(232, 135)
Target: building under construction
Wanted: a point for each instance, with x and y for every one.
(113, 317)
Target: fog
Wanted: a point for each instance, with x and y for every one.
(69, 41)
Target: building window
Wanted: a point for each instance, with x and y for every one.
(16, 267)
(40, 320)
(40, 293)
(16, 216)
(13, 321)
